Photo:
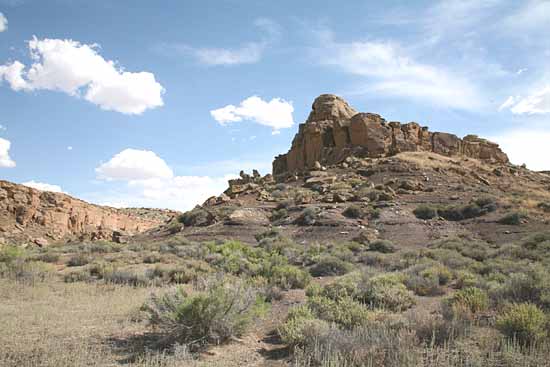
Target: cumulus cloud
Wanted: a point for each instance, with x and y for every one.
(536, 103)
(133, 164)
(42, 186)
(526, 146)
(5, 160)
(148, 181)
(388, 69)
(79, 70)
(3, 23)
(276, 113)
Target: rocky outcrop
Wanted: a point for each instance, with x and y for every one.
(334, 130)
(30, 215)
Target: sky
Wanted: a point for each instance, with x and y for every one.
(157, 104)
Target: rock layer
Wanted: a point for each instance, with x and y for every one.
(30, 215)
(334, 130)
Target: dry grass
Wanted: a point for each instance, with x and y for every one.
(78, 324)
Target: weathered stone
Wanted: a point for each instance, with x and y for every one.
(27, 210)
(334, 131)
(247, 216)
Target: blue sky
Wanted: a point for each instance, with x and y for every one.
(132, 103)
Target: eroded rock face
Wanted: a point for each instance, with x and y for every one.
(334, 130)
(27, 213)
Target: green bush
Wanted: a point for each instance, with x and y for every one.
(222, 309)
(197, 217)
(9, 254)
(522, 322)
(469, 301)
(300, 326)
(343, 311)
(125, 278)
(383, 246)
(78, 260)
(279, 214)
(425, 212)
(386, 291)
(289, 277)
(330, 265)
(354, 211)
(308, 217)
(512, 219)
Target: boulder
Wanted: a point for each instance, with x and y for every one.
(247, 216)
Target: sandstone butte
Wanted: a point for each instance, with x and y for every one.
(30, 215)
(334, 131)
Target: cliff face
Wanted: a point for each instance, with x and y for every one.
(30, 215)
(334, 130)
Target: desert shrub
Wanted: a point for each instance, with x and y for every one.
(177, 274)
(474, 209)
(344, 311)
(125, 278)
(272, 234)
(425, 212)
(78, 260)
(512, 219)
(374, 213)
(383, 246)
(151, 259)
(330, 265)
(289, 277)
(9, 254)
(197, 217)
(300, 325)
(386, 291)
(423, 286)
(545, 207)
(279, 214)
(77, 276)
(354, 211)
(523, 322)
(221, 309)
(465, 279)
(374, 344)
(467, 301)
(433, 329)
(308, 217)
(47, 257)
(345, 286)
(530, 286)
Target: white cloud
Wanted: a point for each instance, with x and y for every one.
(69, 148)
(150, 182)
(276, 113)
(526, 146)
(3, 23)
(248, 53)
(536, 103)
(133, 164)
(388, 69)
(509, 102)
(532, 15)
(78, 70)
(5, 160)
(42, 186)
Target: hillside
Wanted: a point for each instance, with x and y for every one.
(352, 175)
(28, 215)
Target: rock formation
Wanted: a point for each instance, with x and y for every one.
(334, 131)
(30, 215)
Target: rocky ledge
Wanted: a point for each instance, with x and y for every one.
(29, 215)
(334, 131)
